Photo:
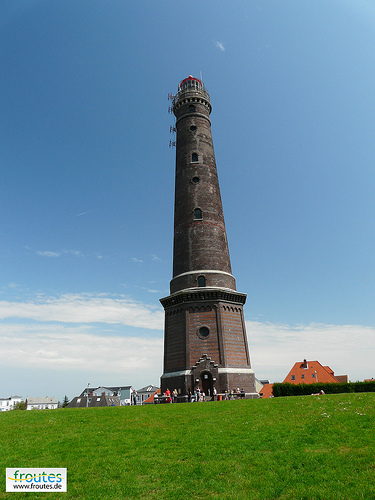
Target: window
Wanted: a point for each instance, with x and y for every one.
(195, 180)
(302, 376)
(98, 399)
(201, 281)
(197, 214)
(293, 377)
(78, 400)
(193, 128)
(314, 375)
(191, 108)
(194, 157)
(204, 332)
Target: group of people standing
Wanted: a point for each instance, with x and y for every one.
(171, 396)
(198, 396)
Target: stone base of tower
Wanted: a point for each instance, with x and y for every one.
(231, 379)
(207, 375)
(205, 342)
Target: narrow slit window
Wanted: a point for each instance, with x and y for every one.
(194, 157)
(197, 214)
(191, 108)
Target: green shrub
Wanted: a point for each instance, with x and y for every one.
(286, 389)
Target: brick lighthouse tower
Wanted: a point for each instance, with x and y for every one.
(205, 343)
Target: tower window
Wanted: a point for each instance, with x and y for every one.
(195, 180)
(197, 214)
(193, 128)
(203, 332)
(191, 108)
(194, 157)
(201, 281)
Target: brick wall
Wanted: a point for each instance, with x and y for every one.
(174, 340)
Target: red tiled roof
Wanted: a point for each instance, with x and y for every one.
(310, 372)
(266, 391)
(150, 399)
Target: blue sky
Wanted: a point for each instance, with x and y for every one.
(87, 182)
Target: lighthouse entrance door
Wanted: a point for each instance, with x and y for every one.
(207, 384)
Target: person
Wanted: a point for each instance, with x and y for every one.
(168, 395)
(175, 394)
(214, 394)
(134, 397)
(189, 396)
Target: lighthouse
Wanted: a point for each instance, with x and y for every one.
(205, 342)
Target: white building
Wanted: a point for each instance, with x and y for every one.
(7, 404)
(49, 403)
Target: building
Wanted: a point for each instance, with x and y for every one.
(205, 342)
(94, 401)
(153, 398)
(307, 372)
(7, 404)
(124, 392)
(144, 394)
(47, 403)
(312, 372)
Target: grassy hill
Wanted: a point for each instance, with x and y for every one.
(306, 447)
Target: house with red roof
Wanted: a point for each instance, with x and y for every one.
(307, 372)
(311, 372)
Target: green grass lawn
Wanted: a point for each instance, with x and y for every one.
(305, 447)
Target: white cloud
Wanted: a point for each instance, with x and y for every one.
(76, 253)
(47, 253)
(220, 46)
(53, 345)
(134, 259)
(87, 212)
(347, 349)
(85, 308)
(57, 347)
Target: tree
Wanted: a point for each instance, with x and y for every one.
(21, 405)
(65, 402)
